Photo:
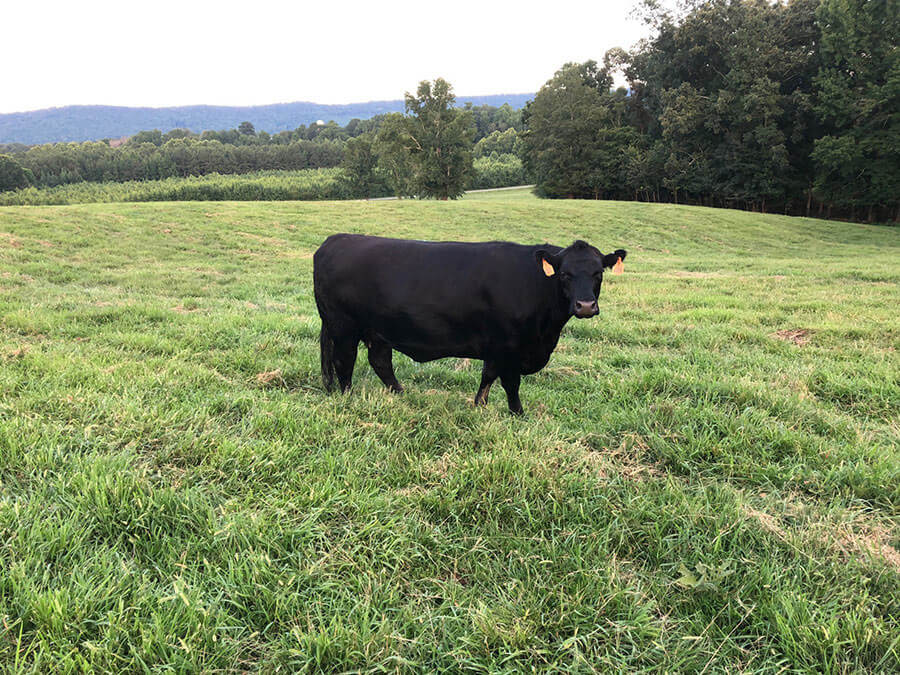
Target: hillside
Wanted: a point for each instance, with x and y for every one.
(84, 123)
(707, 478)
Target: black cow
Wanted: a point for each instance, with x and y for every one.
(498, 301)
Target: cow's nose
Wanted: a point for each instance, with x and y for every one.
(586, 308)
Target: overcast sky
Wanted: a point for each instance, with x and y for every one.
(166, 53)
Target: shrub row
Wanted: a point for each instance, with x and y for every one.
(308, 185)
(304, 185)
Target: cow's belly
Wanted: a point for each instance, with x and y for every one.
(431, 336)
(529, 355)
(430, 353)
(421, 347)
(476, 335)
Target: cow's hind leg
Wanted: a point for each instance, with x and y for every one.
(510, 381)
(380, 358)
(344, 358)
(488, 375)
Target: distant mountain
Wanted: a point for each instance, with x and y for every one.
(93, 122)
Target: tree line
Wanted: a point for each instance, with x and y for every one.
(791, 107)
(154, 155)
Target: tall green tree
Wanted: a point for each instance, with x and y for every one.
(153, 136)
(12, 175)
(360, 165)
(576, 134)
(858, 159)
(392, 146)
(727, 87)
(439, 139)
(500, 142)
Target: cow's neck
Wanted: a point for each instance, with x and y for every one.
(555, 318)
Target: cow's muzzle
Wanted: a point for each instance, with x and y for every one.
(586, 308)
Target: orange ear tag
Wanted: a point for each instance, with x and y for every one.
(619, 267)
(548, 268)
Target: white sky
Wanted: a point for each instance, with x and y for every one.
(166, 53)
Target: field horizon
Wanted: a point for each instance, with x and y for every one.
(707, 476)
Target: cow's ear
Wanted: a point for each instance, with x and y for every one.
(547, 261)
(611, 259)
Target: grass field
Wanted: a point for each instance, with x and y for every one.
(707, 477)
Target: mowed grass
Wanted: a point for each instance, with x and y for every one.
(517, 194)
(707, 477)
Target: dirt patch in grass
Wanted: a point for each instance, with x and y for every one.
(865, 539)
(855, 539)
(269, 377)
(797, 336)
(19, 276)
(624, 460)
(181, 309)
(10, 240)
(17, 353)
(767, 521)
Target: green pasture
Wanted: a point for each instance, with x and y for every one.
(707, 477)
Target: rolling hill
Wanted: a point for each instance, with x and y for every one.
(93, 122)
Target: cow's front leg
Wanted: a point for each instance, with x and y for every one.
(488, 375)
(510, 381)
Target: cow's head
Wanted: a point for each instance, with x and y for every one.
(578, 272)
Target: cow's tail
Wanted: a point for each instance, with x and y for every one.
(326, 354)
